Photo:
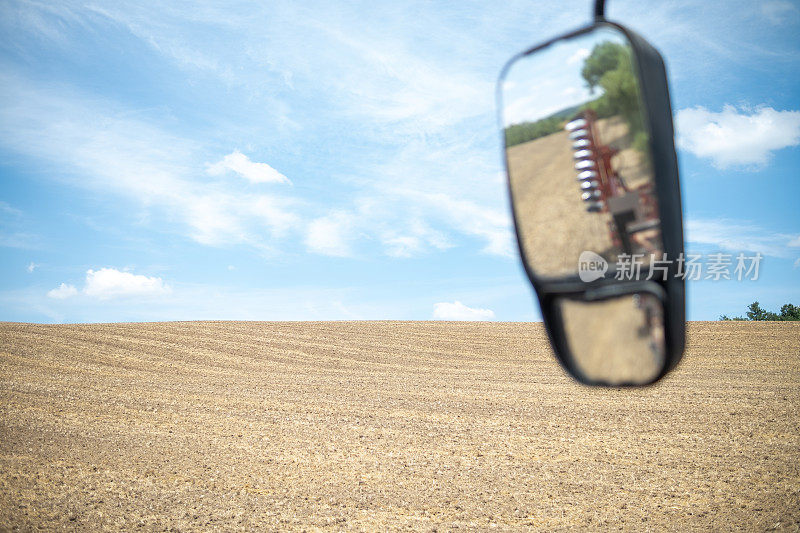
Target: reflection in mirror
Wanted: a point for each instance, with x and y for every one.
(616, 341)
(578, 154)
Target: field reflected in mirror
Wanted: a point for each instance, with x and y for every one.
(578, 154)
(616, 341)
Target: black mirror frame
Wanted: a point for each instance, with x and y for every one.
(657, 110)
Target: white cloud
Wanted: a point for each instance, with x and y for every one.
(7, 209)
(62, 292)
(251, 171)
(408, 223)
(389, 85)
(415, 238)
(31, 267)
(106, 148)
(797, 263)
(739, 236)
(402, 99)
(402, 246)
(110, 282)
(472, 218)
(780, 12)
(458, 311)
(279, 299)
(431, 193)
(331, 235)
(737, 137)
(374, 70)
(579, 55)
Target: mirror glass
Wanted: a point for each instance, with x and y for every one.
(578, 154)
(616, 341)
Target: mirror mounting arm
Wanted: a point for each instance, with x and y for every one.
(599, 10)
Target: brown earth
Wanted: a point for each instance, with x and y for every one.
(376, 425)
(553, 222)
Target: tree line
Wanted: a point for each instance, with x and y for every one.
(755, 312)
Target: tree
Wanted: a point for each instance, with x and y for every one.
(755, 312)
(790, 312)
(604, 57)
(610, 66)
(528, 131)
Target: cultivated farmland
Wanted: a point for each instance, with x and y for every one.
(375, 425)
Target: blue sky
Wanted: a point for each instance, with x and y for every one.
(328, 160)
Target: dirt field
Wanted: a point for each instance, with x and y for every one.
(377, 425)
(555, 226)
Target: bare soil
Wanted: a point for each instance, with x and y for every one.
(389, 425)
(554, 225)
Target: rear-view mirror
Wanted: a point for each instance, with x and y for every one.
(593, 181)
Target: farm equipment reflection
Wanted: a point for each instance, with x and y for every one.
(597, 139)
(634, 225)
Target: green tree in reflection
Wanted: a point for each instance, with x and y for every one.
(610, 67)
(605, 57)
